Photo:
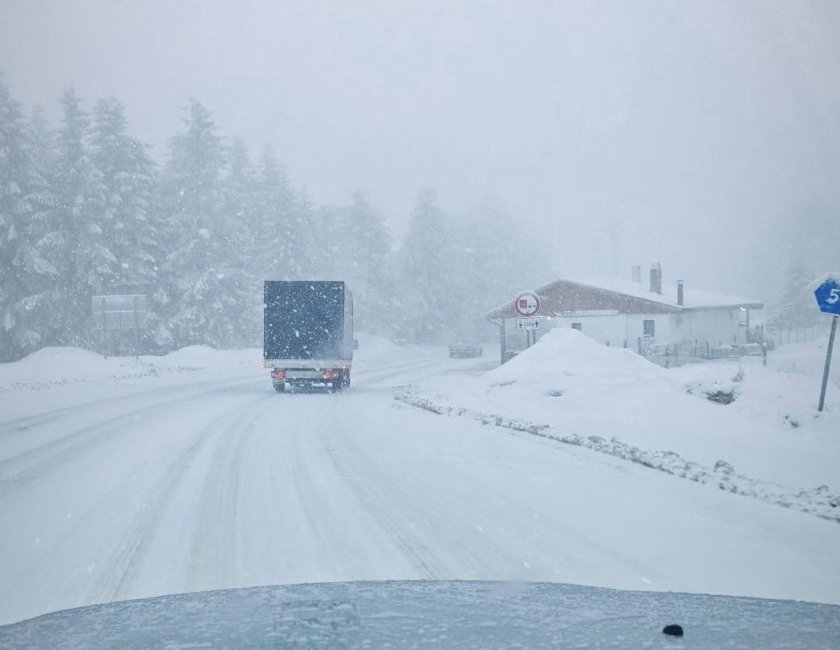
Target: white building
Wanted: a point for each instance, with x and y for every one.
(636, 315)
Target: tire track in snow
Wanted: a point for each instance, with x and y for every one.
(30, 465)
(420, 509)
(398, 527)
(313, 506)
(213, 551)
(28, 422)
(129, 553)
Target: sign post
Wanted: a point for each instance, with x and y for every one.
(112, 313)
(828, 299)
(527, 305)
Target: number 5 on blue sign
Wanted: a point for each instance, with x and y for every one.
(827, 293)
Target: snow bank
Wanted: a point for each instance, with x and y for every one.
(568, 352)
(567, 363)
(767, 441)
(203, 356)
(372, 345)
(58, 366)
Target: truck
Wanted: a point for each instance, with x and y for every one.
(308, 333)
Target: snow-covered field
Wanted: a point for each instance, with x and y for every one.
(134, 478)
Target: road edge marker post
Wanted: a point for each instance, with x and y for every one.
(827, 362)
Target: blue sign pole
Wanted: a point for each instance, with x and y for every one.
(827, 362)
(828, 299)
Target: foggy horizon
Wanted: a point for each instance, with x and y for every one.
(673, 133)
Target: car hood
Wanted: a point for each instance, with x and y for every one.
(437, 614)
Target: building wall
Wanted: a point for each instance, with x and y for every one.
(617, 330)
(713, 326)
(604, 329)
(636, 329)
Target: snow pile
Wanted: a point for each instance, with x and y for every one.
(568, 352)
(57, 366)
(742, 428)
(567, 362)
(371, 345)
(198, 357)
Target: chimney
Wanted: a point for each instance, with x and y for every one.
(636, 273)
(656, 278)
(680, 297)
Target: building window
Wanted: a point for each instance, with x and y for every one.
(650, 328)
(577, 326)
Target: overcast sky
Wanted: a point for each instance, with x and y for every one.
(626, 132)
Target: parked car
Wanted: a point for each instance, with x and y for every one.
(465, 350)
(749, 349)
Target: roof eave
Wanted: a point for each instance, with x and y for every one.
(739, 305)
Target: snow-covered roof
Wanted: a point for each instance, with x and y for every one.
(692, 298)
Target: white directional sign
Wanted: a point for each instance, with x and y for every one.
(119, 312)
(527, 304)
(527, 323)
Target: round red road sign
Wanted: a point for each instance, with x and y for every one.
(527, 304)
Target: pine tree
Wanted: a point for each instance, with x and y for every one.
(797, 308)
(244, 288)
(304, 239)
(497, 259)
(207, 294)
(277, 250)
(26, 276)
(359, 247)
(128, 183)
(426, 301)
(81, 223)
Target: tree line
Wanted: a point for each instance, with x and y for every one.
(85, 210)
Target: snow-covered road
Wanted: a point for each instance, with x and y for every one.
(164, 486)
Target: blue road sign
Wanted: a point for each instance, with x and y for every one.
(828, 295)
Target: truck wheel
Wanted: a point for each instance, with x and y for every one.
(337, 386)
(280, 387)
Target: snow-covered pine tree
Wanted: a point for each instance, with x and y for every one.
(128, 180)
(81, 222)
(277, 248)
(203, 287)
(426, 303)
(304, 240)
(498, 259)
(360, 244)
(26, 277)
(797, 308)
(244, 289)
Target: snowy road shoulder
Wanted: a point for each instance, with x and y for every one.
(573, 390)
(818, 501)
(50, 368)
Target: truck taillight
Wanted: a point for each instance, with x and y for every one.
(328, 374)
(278, 374)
